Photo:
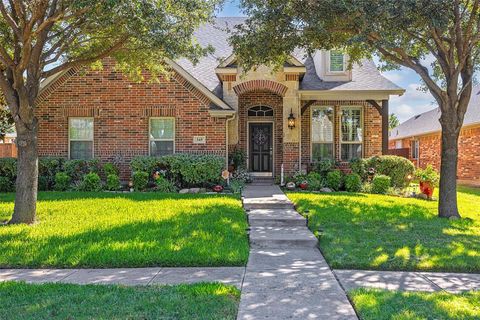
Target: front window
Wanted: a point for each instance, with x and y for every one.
(414, 146)
(322, 133)
(351, 135)
(337, 61)
(80, 136)
(162, 136)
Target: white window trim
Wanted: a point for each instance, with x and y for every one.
(416, 144)
(311, 131)
(332, 73)
(150, 129)
(362, 125)
(93, 137)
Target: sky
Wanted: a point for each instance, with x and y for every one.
(411, 103)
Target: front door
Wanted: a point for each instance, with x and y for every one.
(261, 147)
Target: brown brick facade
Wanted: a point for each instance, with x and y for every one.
(468, 153)
(121, 110)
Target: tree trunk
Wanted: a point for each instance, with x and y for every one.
(447, 204)
(27, 174)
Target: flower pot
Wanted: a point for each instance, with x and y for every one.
(303, 185)
(218, 188)
(426, 187)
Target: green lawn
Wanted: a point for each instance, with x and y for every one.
(393, 305)
(364, 231)
(203, 301)
(126, 230)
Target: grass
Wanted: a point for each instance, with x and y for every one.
(386, 305)
(68, 301)
(364, 231)
(101, 230)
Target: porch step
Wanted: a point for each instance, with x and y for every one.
(267, 204)
(262, 181)
(282, 238)
(275, 218)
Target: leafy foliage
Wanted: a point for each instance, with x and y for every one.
(91, 182)
(62, 181)
(334, 180)
(397, 168)
(359, 166)
(77, 169)
(428, 174)
(315, 181)
(140, 180)
(113, 182)
(109, 169)
(164, 185)
(381, 184)
(353, 182)
(6, 122)
(393, 121)
(48, 167)
(6, 185)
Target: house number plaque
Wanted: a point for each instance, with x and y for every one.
(199, 139)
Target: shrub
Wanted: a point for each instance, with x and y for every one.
(186, 170)
(48, 167)
(62, 181)
(6, 185)
(140, 180)
(8, 168)
(324, 166)
(359, 167)
(353, 182)
(237, 185)
(77, 169)
(298, 178)
(381, 184)
(428, 174)
(91, 182)
(238, 158)
(334, 180)
(109, 169)
(113, 182)
(164, 185)
(397, 168)
(315, 181)
(241, 174)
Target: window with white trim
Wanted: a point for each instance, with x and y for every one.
(80, 138)
(351, 133)
(337, 61)
(162, 136)
(322, 133)
(414, 148)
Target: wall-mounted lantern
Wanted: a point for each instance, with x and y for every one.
(291, 120)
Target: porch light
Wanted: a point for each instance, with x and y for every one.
(291, 120)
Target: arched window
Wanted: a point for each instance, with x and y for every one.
(260, 111)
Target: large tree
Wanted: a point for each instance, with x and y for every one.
(40, 38)
(403, 33)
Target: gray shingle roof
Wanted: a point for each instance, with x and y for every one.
(364, 77)
(427, 122)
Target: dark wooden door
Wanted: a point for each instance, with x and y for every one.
(261, 147)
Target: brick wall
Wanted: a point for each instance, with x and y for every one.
(468, 153)
(121, 110)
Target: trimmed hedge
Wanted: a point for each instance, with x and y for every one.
(353, 182)
(395, 167)
(381, 184)
(185, 170)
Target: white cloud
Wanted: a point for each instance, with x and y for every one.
(412, 102)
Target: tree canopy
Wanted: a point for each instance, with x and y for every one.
(402, 33)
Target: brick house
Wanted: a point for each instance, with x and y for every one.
(419, 139)
(313, 108)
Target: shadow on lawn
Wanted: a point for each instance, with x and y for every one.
(212, 236)
(136, 196)
(391, 234)
(376, 304)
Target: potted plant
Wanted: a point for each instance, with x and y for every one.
(303, 185)
(428, 179)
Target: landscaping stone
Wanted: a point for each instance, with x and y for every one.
(194, 190)
(184, 191)
(326, 190)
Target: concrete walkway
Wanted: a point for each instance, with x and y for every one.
(128, 276)
(409, 281)
(286, 276)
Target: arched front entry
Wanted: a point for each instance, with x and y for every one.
(261, 131)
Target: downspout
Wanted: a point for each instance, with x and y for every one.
(226, 139)
(300, 141)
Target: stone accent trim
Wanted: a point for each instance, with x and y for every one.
(259, 86)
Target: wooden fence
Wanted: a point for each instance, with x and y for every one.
(8, 150)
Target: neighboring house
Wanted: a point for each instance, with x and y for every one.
(8, 148)
(312, 108)
(9, 138)
(419, 138)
